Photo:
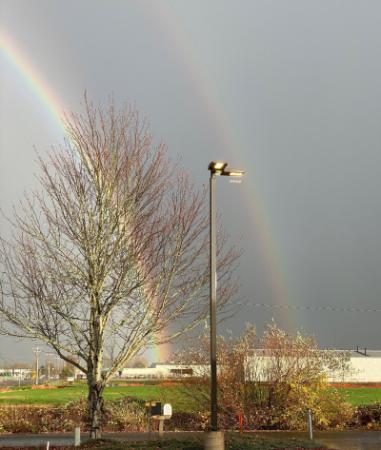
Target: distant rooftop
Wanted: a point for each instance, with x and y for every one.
(365, 352)
(353, 353)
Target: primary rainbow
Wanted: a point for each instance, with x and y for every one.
(55, 108)
(31, 77)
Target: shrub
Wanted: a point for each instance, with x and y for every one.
(272, 382)
(368, 416)
(126, 414)
(123, 415)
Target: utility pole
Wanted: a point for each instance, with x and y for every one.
(48, 363)
(58, 363)
(37, 351)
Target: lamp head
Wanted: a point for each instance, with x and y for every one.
(219, 168)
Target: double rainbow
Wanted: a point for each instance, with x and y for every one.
(206, 94)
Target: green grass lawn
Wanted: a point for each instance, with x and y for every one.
(362, 395)
(177, 395)
(181, 398)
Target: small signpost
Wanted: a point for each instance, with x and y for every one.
(77, 436)
(156, 412)
(240, 421)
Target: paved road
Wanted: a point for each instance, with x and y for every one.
(341, 440)
(351, 440)
(35, 440)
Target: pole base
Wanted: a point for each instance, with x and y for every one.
(214, 440)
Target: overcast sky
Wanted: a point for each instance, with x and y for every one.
(288, 90)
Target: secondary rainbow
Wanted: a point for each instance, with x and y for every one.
(205, 92)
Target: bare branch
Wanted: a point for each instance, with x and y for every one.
(112, 245)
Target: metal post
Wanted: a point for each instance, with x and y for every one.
(213, 299)
(214, 440)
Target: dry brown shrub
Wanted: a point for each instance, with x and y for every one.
(124, 415)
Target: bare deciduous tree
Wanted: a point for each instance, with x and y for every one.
(113, 246)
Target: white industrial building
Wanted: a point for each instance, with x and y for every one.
(364, 367)
(22, 374)
(164, 371)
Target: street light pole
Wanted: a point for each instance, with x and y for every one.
(215, 439)
(213, 304)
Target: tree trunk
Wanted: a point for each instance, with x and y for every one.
(95, 408)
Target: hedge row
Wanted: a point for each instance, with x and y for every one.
(129, 415)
